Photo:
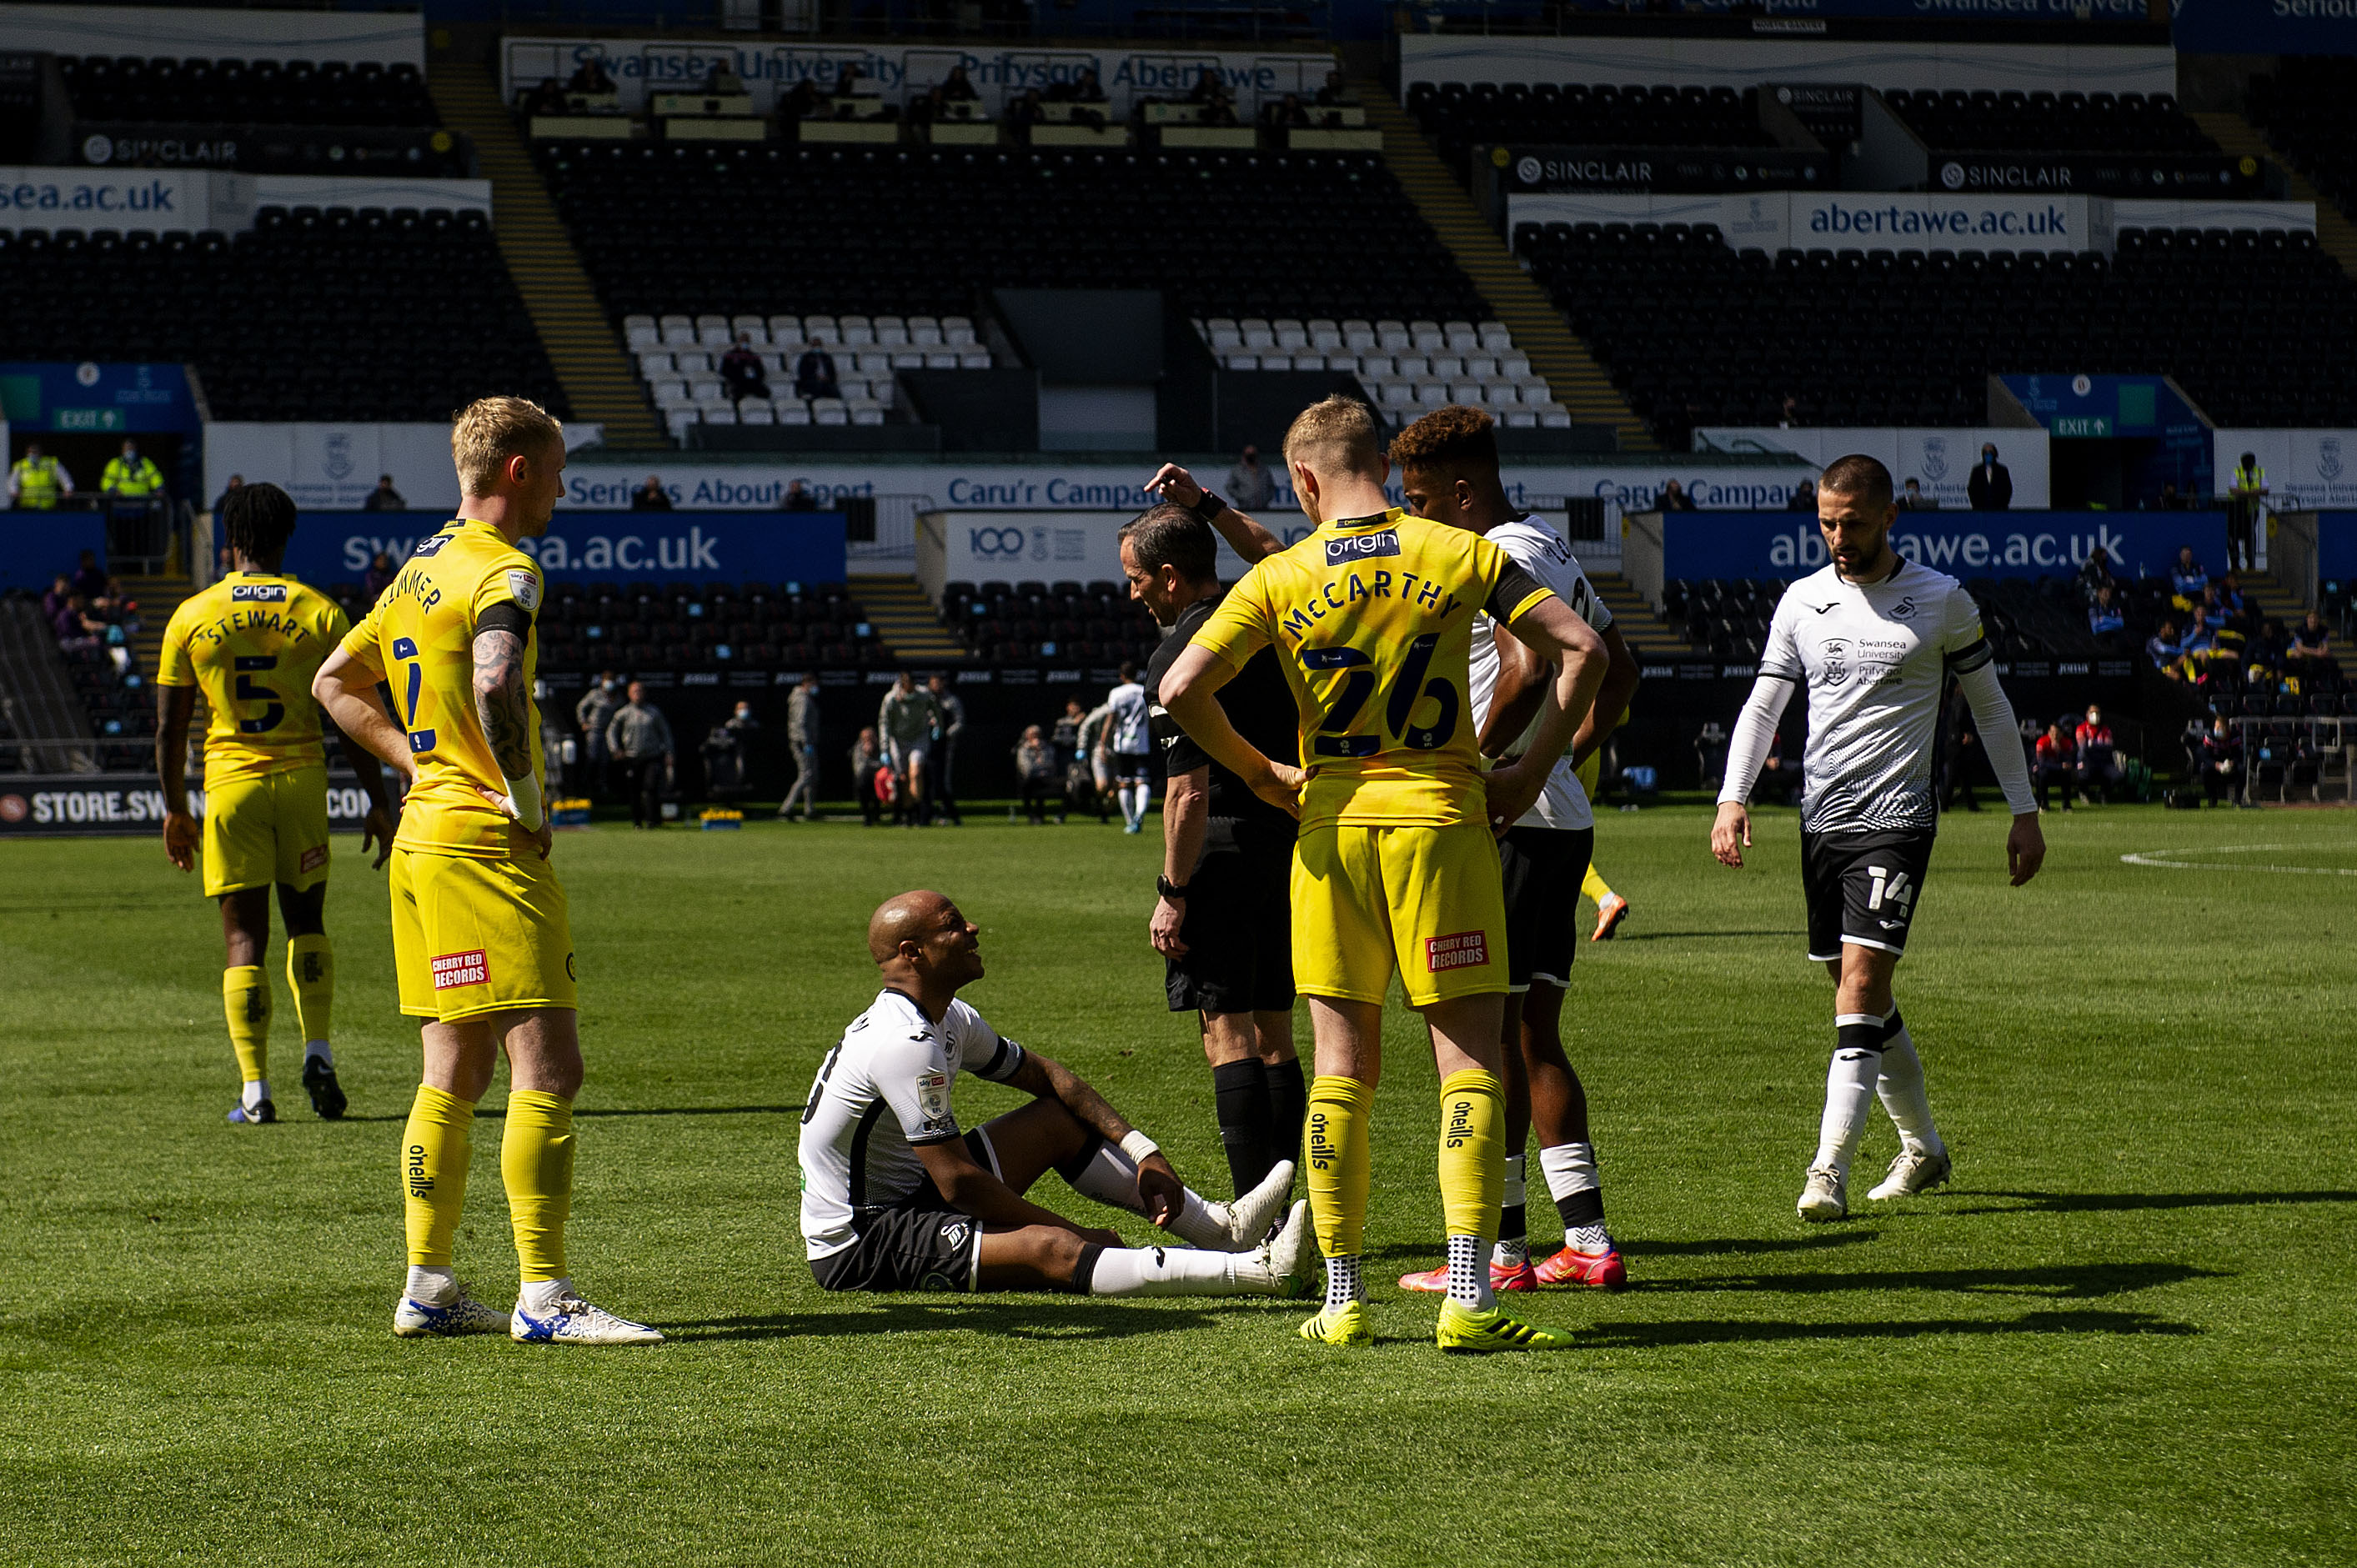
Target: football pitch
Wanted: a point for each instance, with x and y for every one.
(2123, 1335)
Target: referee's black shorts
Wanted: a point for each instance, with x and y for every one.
(1542, 869)
(1238, 931)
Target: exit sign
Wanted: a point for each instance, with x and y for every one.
(2093, 425)
(88, 418)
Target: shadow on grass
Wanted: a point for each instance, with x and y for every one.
(2110, 1202)
(1699, 935)
(1669, 1336)
(1818, 1243)
(1008, 1317)
(497, 1112)
(2064, 1281)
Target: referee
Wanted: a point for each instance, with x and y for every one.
(1222, 922)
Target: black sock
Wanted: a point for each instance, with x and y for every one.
(1084, 1272)
(1239, 1092)
(1288, 1103)
(1580, 1208)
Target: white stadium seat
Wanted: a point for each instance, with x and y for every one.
(1325, 335)
(754, 412)
(1291, 334)
(1431, 394)
(1495, 338)
(1426, 335)
(1239, 362)
(1415, 366)
(1461, 335)
(973, 359)
(829, 411)
(1359, 334)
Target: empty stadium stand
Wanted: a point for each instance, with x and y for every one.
(679, 356)
(235, 91)
(1023, 623)
(1957, 121)
(1458, 116)
(1409, 367)
(2307, 110)
(2258, 329)
(377, 315)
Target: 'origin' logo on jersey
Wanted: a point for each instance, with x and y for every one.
(460, 968)
(1353, 547)
(1466, 949)
(258, 593)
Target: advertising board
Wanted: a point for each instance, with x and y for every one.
(638, 547)
(1963, 543)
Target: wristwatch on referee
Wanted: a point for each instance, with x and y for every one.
(1169, 889)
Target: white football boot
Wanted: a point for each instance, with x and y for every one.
(1914, 1170)
(1251, 1217)
(414, 1319)
(569, 1320)
(1825, 1197)
(1278, 1264)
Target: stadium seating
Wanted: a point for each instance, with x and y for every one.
(2308, 110)
(1094, 624)
(1409, 367)
(1728, 618)
(678, 357)
(641, 627)
(1957, 121)
(739, 230)
(2258, 328)
(1458, 116)
(234, 92)
(309, 315)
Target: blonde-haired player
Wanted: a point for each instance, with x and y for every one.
(1395, 870)
(481, 943)
(252, 642)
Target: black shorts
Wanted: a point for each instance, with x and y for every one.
(917, 1244)
(1133, 766)
(1239, 933)
(1542, 868)
(1862, 887)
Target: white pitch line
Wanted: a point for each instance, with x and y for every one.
(2151, 857)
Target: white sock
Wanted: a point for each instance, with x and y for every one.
(1201, 1222)
(1343, 1285)
(434, 1286)
(1178, 1270)
(256, 1091)
(539, 1295)
(1469, 1281)
(1901, 1088)
(1849, 1089)
(1570, 1172)
(1512, 1251)
(1110, 1177)
(318, 1050)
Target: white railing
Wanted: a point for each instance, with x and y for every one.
(895, 545)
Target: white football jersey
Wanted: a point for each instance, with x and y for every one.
(883, 1092)
(1874, 658)
(1540, 551)
(1130, 719)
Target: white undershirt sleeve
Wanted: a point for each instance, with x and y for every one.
(1755, 728)
(1993, 716)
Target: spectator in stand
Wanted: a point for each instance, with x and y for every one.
(799, 499)
(906, 719)
(1335, 93)
(1219, 103)
(2232, 598)
(61, 592)
(802, 718)
(548, 98)
(650, 496)
(958, 86)
(2221, 763)
(1991, 487)
(1035, 765)
(2164, 649)
(722, 82)
(2311, 648)
(638, 738)
(384, 497)
(2271, 647)
(379, 576)
(949, 722)
(1286, 111)
(742, 372)
(1780, 779)
(2169, 499)
(930, 110)
(2099, 758)
(1673, 498)
(589, 76)
(38, 483)
(89, 577)
(1025, 110)
(2213, 607)
(2057, 763)
(1252, 487)
(2186, 579)
(236, 483)
(2095, 574)
(1913, 499)
(2106, 623)
(131, 474)
(815, 375)
(799, 102)
(2201, 641)
(1805, 498)
(869, 775)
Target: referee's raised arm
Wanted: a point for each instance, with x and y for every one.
(1247, 537)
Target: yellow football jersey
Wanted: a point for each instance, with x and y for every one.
(420, 635)
(1372, 618)
(251, 643)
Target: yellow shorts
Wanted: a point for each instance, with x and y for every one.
(266, 830)
(1587, 771)
(472, 936)
(1425, 902)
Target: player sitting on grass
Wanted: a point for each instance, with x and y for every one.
(895, 1197)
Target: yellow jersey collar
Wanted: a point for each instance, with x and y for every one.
(1389, 518)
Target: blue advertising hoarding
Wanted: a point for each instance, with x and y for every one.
(35, 546)
(600, 547)
(95, 399)
(2336, 546)
(1786, 544)
(2264, 26)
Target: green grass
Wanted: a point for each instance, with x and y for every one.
(2123, 1336)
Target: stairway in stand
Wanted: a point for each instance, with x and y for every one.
(1579, 384)
(158, 598)
(599, 378)
(1647, 634)
(905, 622)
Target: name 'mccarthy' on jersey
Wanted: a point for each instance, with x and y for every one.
(1372, 620)
(1874, 658)
(1544, 554)
(421, 635)
(882, 1093)
(252, 642)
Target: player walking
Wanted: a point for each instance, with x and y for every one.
(894, 1197)
(481, 943)
(1129, 737)
(1873, 637)
(1395, 870)
(252, 643)
(1221, 915)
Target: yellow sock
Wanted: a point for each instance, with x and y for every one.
(245, 1001)
(311, 975)
(435, 1149)
(1472, 1151)
(1593, 885)
(536, 1162)
(1335, 1136)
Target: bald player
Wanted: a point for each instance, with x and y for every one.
(896, 1197)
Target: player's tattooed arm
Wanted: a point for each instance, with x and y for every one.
(1160, 1192)
(502, 700)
